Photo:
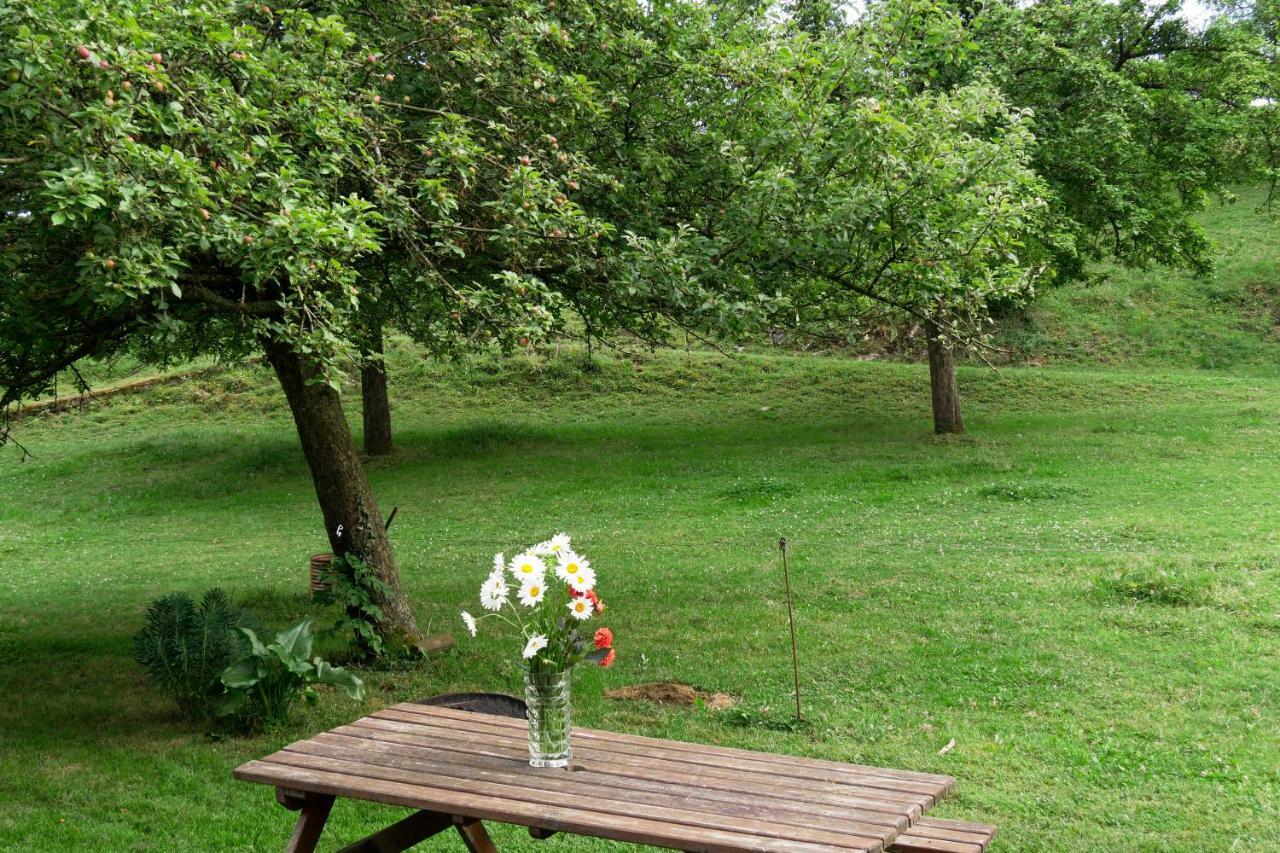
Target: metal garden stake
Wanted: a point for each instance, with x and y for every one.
(791, 617)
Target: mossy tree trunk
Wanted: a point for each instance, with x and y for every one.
(373, 391)
(942, 382)
(351, 515)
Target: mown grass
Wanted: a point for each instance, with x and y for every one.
(1158, 318)
(1084, 593)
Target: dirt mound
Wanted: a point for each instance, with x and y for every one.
(671, 693)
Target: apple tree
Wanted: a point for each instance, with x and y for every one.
(209, 177)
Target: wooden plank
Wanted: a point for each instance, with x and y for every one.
(803, 768)
(632, 828)
(818, 799)
(907, 843)
(438, 762)
(945, 836)
(654, 769)
(587, 800)
(947, 782)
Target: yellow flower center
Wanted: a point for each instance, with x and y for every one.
(527, 568)
(572, 568)
(534, 591)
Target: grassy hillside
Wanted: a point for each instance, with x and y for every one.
(1162, 318)
(1085, 595)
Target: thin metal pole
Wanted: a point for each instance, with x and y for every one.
(791, 617)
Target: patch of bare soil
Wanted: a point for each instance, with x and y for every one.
(671, 693)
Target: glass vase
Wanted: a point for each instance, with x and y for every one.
(548, 697)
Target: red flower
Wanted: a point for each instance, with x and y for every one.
(573, 593)
(608, 659)
(604, 638)
(595, 600)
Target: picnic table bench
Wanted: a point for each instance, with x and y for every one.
(459, 768)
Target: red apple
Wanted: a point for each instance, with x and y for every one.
(109, 263)
(83, 51)
(157, 58)
(248, 238)
(204, 214)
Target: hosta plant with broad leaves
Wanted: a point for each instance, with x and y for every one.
(263, 685)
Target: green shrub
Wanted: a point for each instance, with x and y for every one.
(355, 588)
(262, 685)
(185, 648)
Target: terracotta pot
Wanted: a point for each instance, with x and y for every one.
(319, 565)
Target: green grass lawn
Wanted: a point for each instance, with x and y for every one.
(1158, 318)
(1084, 594)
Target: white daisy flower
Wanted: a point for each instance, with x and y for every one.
(532, 591)
(470, 622)
(559, 543)
(581, 608)
(583, 580)
(499, 563)
(570, 565)
(528, 566)
(542, 549)
(535, 645)
(493, 593)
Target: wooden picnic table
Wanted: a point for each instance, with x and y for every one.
(458, 768)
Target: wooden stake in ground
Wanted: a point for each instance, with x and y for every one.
(791, 617)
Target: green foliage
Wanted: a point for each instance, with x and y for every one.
(356, 589)
(185, 648)
(263, 684)
(1137, 117)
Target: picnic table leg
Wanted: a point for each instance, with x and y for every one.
(475, 837)
(314, 811)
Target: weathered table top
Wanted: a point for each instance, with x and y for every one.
(660, 792)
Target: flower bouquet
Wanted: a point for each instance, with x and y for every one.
(552, 615)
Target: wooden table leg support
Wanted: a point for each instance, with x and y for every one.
(402, 834)
(475, 836)
(314, 811)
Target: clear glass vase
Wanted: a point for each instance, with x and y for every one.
(548, 696)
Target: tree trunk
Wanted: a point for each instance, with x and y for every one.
(942, 383)
(373, 390)
(351, 516)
